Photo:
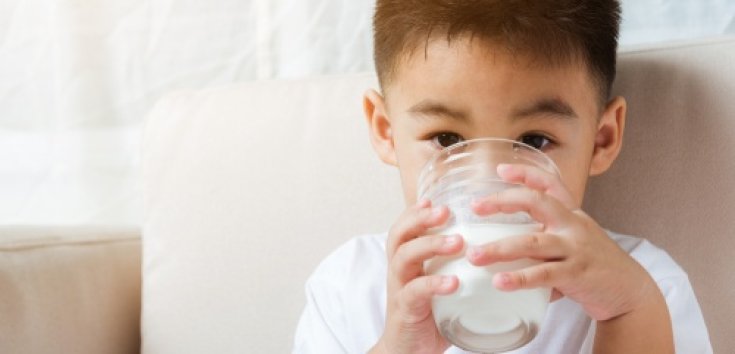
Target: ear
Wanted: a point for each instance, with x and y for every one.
(381, 134)
(609, 136)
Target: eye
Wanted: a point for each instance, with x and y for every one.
(536, 140)
(443, 140)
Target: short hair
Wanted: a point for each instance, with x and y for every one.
(550, 31)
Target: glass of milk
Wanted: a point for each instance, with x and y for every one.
(478, 317)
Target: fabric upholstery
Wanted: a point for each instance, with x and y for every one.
(69, 290)
(247, 187)
(674, 182)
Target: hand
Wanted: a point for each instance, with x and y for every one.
(410, 326)
(579, 260)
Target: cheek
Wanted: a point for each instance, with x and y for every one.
(411, 159)
(574, 175)
(576, 187)
(409, 183)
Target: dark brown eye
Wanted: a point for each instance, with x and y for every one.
(443, 140)
(537, 141)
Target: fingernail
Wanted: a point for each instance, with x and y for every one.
(447, 282)
(505, 279)
(477, 205)
(474, 252)
(503, 167)
(436, 212)
(451, 241)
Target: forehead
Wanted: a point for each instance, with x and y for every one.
(469, 72)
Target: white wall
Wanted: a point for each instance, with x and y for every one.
(77, 77)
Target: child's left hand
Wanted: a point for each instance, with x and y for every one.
(579, 260)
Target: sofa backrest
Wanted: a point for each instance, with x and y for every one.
(674, 182)
(70, 289)
(247, 187)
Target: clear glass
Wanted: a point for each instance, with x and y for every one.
(478, 317)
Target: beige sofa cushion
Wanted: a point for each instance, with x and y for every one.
(674, 182)
(69, 290)
(247, 187)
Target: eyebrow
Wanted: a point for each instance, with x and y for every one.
(554, 107)
(431, 108)
(546, 106)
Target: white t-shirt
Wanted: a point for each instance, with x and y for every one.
(345, 309)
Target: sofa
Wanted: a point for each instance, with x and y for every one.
(246, 187)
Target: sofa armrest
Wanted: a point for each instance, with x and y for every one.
(70, 290)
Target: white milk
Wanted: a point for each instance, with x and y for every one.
(478, 317)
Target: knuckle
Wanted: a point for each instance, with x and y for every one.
(429, 283)
(409, 266)
(413, 291)
(425, 247)
(421, 219)
(399, 226)
(401, 257)
(522, 279)
(533, 243)
(546, 275)
(492, 249)
(395, 268)
(405, 295)
(425, 221)
(398, 268)
(394, 237)
(437, 243)
(409, 221)
(537, 195)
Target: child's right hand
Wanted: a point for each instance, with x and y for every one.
(410, 326)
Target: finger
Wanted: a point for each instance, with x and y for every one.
(540, 246)
(408, 261)
(414, 222)
(543, 275)
(542, 208)
(415, 298)
(538, 179)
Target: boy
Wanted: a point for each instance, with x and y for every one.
(539, 72)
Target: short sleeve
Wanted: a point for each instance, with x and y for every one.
(319, 330)
(690, 331)
(345, 300)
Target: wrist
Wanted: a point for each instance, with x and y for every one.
(646, 297)
(645, 327)
(379, 347)
(639, 294)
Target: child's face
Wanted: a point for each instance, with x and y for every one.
(467, 90)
